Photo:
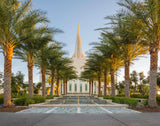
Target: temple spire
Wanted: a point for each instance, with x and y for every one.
(78, 53)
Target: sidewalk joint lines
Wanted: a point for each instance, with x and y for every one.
(51, 110)
(78, 110)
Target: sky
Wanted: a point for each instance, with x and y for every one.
(66, 15)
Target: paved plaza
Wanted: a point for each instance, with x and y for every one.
(28, 119)
(69, 110)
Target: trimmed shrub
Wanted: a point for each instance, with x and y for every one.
(38, 99)
(49, 97)
(108, 97)
(26, 101)
(56, 95)
(29, 101)
(120, 95)
(145, 103)
(129, 101)
(138, 96)
(20, 101)
(1, 98)
(122, 100)
(100, 95)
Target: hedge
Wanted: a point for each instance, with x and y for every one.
(38, 99)
(133, 96)
(138, 96)
(20, 101)
(100, 95)
(56, 95)
(49, 97)
(26, 101)
(120, 95)
(122, 100)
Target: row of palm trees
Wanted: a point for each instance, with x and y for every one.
(133, 31)
(24, 32)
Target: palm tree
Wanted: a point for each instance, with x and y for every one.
(147, 20)
(61, 64)
(68, 73)
(131, 46)
(42, 62)
(105, 62)
(111, 51)
(88, 75)
(54, 56)
(14, 19)
(94, 63)
(125, 40)
(35, 39)
(43, 56)
(106, 69)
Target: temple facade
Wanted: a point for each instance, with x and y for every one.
(77, 86)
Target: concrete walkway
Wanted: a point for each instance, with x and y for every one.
(21, 119)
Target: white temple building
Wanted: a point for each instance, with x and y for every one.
(78, 86)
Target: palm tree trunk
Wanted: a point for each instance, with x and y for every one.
(89, 87)
(61, 89)
(112, 83)
(8, 54)
(99, 85)
(105, 82)
(64, 85)
(153, 74)
(57, 85)
(66, 88)
(43, 72)
(30, 78)
(92, 87)
(127, 79)
(52, 82)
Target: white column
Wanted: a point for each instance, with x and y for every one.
(88, 87)
(78, 86)
(73, 86)
(68, 82)
(96, 88)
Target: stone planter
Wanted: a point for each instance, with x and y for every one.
(101, 98)
(109, 101)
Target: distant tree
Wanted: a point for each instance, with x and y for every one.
(17, 83)
(37, 87)
(120, 87)
(134, 78)
(141, 77)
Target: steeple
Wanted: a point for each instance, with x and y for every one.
(78, 53)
